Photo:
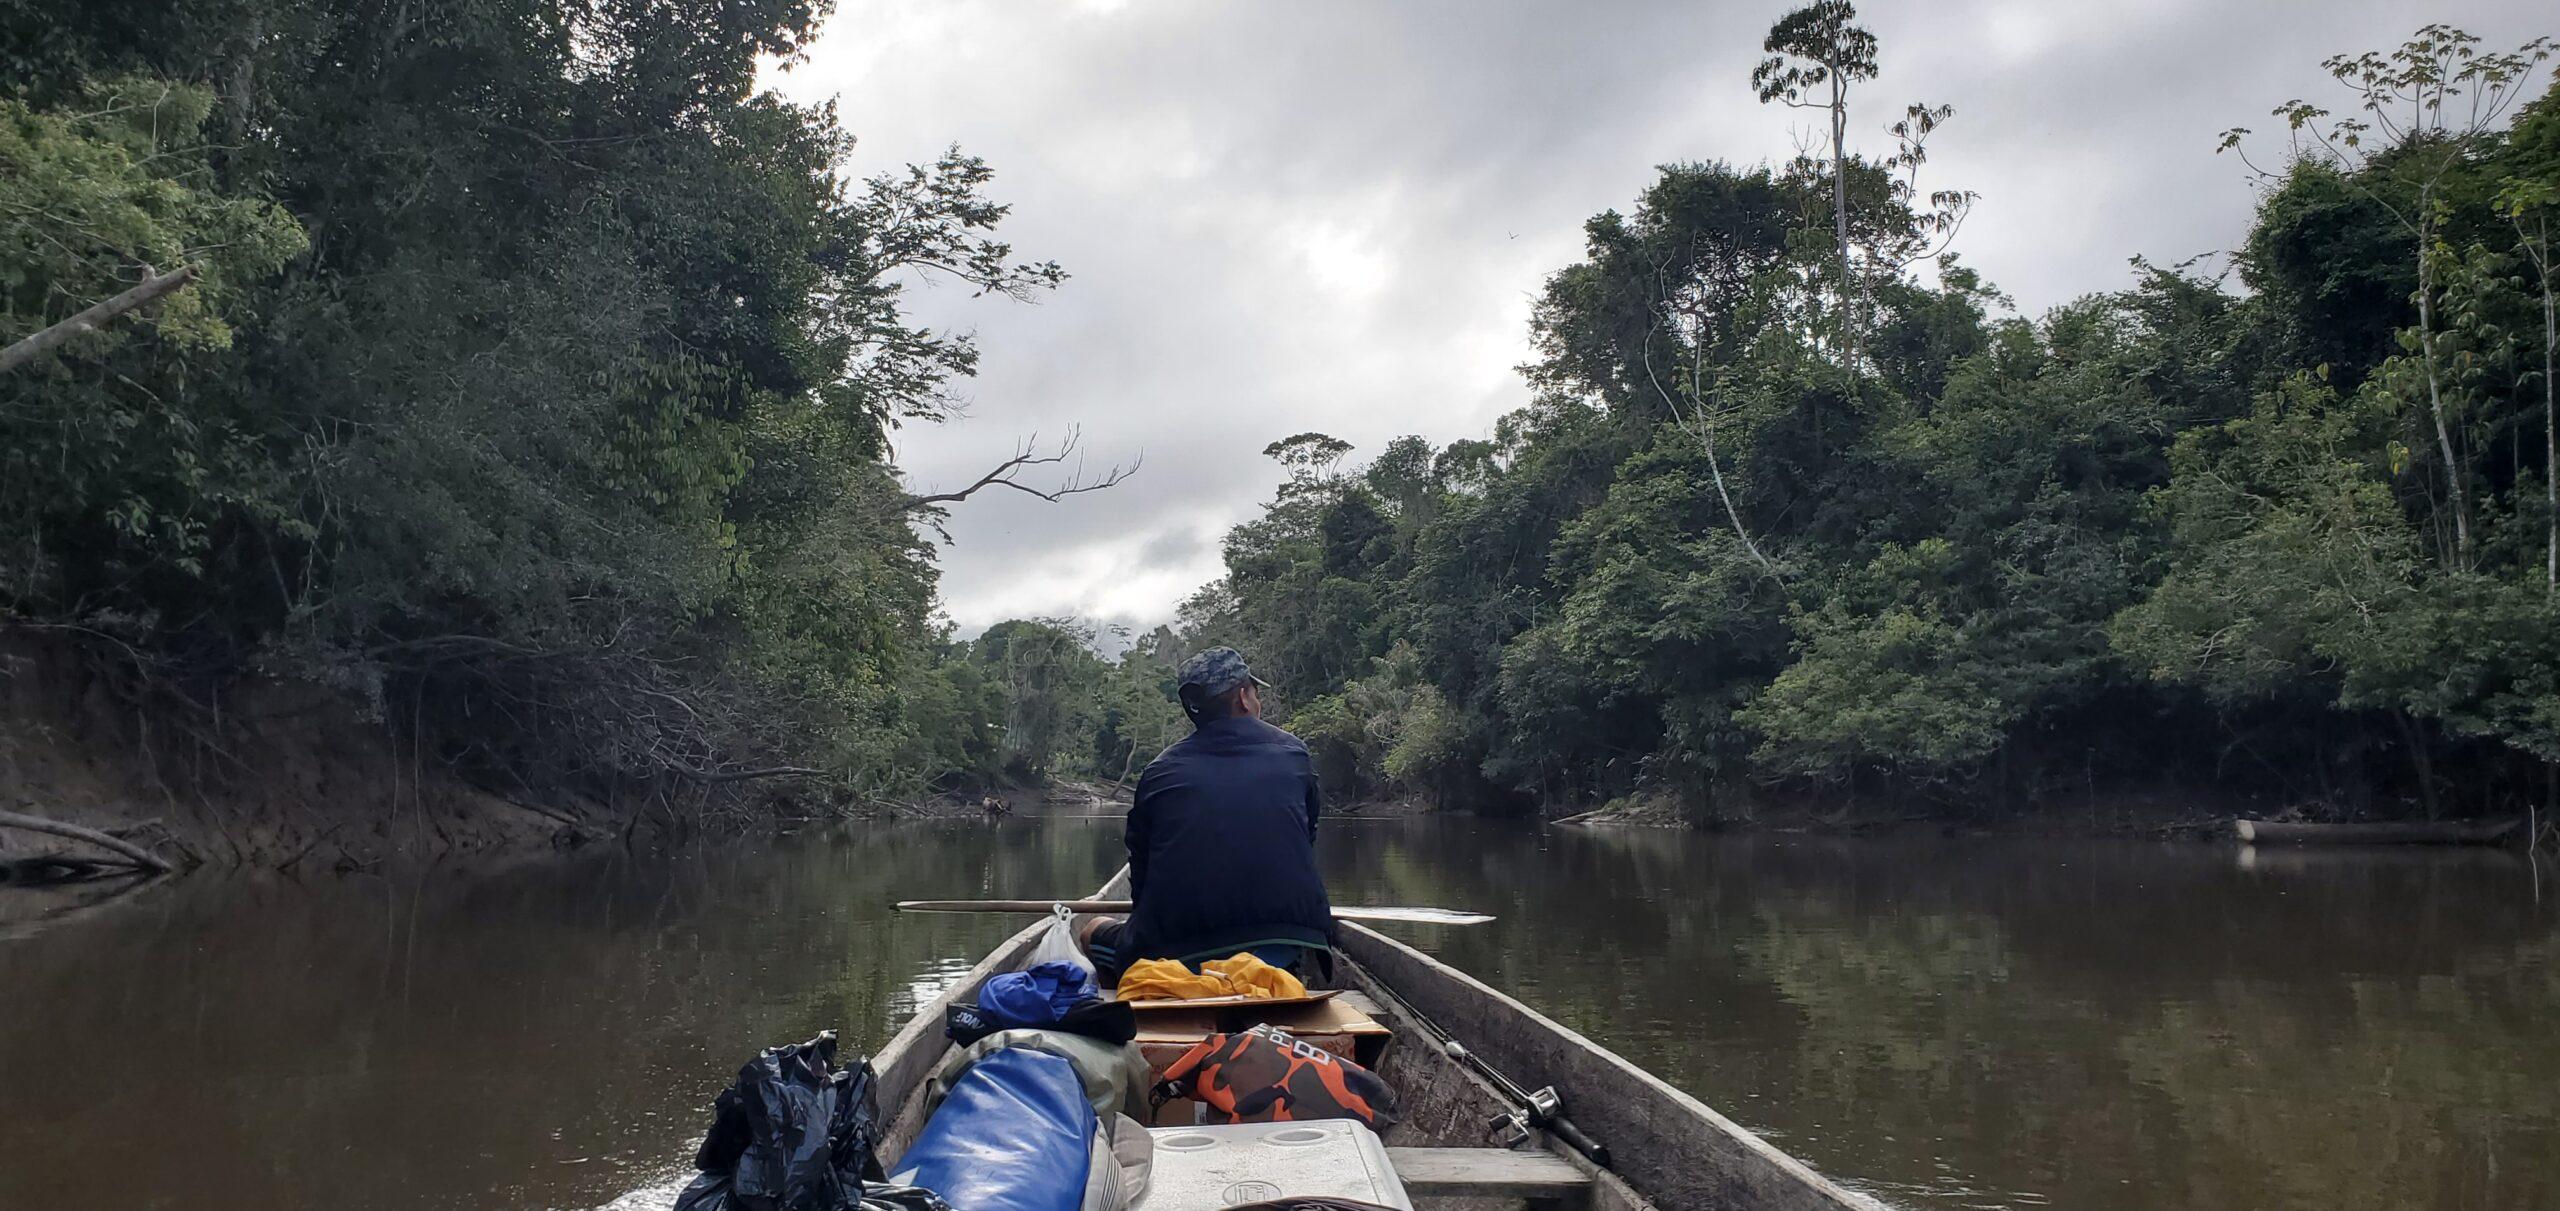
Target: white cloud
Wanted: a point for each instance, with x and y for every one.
(1343, 258)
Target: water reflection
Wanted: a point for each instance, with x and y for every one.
(1949, 1023)
(2010, 1024)
(545, 1036)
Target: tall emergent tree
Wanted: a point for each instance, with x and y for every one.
(1815, 54)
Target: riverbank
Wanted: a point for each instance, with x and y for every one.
(282, 774)
(2159, 815)
(2196, 814)
(266, 772)
(1053, 796)
(254, 772)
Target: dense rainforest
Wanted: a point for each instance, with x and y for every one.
(533, 386)
(533, 376)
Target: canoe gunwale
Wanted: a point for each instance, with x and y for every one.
(1669, 1146)
(1609, 1191)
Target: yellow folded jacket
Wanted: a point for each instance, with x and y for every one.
(1242, 975)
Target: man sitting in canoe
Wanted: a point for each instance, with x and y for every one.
(1221, 837)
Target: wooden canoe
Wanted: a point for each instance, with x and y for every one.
(2378, 832)
(1668, 1150)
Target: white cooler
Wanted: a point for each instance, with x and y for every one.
(1199, 1168)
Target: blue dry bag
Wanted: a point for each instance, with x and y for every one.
(1016, 1134)
(1038, 996)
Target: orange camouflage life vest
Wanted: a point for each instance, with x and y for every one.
(1267, 1075)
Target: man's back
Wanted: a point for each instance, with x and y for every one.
(1222, 844)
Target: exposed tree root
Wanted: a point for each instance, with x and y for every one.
(138, 857)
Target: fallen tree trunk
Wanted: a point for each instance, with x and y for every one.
(99, 316)
(134, 854)
(2379, 832)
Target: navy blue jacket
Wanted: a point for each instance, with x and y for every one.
(1222, 846)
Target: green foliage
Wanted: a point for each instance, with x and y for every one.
(1050, 681)
(2010, 554)
(1814, 47)
(1031, 699)
(107, 474)
(1386, 734)
(2328, 259)
(1140, 712)
(95, 189)
(1906, 680)
(563, 433)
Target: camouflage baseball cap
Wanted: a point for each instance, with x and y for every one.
(1215, 672)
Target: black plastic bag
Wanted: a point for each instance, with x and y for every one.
(794, 1133)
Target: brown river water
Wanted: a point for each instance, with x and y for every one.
(1943, 1023)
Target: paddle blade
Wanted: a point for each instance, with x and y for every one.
(1407, 915)
(1416, 916)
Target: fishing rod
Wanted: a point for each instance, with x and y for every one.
(1537, 1110)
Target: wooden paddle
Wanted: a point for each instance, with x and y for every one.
(1422, 916)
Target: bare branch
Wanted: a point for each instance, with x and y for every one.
(1027, 455)
(1705, 431)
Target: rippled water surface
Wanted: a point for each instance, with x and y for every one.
(1946, 1023)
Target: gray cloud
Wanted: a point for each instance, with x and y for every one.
(1178, 548)
(1333, 215)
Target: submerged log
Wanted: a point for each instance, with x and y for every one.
(133, 854)
(2379, 832)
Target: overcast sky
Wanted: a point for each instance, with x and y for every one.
(1296, 214)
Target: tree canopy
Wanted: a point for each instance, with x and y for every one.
(534, 383)
(2292, 540)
